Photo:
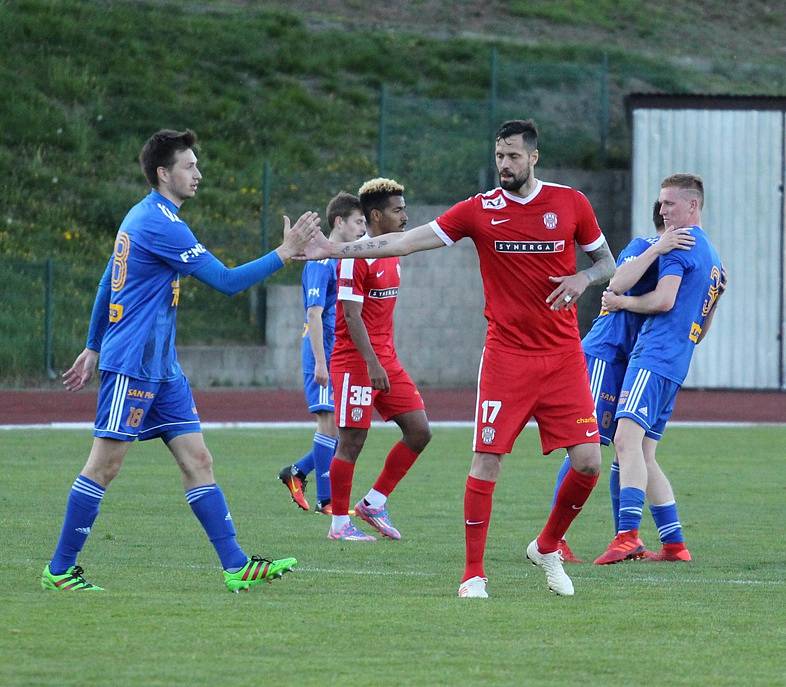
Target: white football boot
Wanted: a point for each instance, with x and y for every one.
(557, 580)
(473, 588)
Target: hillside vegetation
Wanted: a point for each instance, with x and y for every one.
(298, 84)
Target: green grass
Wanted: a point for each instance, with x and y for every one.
(386, 613)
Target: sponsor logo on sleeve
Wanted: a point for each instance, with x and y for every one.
(193, 252)
(313, 292)
(392, 292)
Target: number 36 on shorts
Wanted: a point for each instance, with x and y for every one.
(360, 395)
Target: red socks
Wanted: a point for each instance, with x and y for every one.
(397, 464)
(341, 473)
(477, 514)
(571, 497)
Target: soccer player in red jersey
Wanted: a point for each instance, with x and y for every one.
(366, 373)
(532, 364)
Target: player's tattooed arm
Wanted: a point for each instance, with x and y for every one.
(603, 265)
(388, 245)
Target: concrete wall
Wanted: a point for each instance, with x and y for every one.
(439, 315)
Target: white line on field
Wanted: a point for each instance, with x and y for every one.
(376, 424)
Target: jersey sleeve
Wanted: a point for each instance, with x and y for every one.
(316, 275)
(588, 233)
(633, 250)
(352, 274)
(675, 262)
(456, 222)
(173, 242)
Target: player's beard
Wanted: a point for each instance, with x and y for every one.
(516, 183)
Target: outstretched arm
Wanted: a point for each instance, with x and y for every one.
(234, 280)
(570, 287)
(384, 246)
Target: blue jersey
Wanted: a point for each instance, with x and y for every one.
(320, 289)
(613, 334)
(153, 248)
(666, 342)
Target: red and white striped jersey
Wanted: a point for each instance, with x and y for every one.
(374, 282)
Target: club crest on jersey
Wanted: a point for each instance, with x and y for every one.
(493, 203)
(357, 414)
(529, 246)
(550, 220)
(487, 435)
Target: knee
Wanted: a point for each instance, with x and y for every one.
(198, 464)
(587, 461)
(418, 439)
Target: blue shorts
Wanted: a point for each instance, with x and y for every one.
(605, 384)
(131, 408)
(648, 400)
(318, 398)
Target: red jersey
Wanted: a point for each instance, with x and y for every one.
(521, 242)
(373, 282)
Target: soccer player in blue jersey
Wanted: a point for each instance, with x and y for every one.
(143, 393)
(610, 340)
(347, 223)
(681, 308)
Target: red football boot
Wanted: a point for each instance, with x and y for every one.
(625, 546)
(673, 553)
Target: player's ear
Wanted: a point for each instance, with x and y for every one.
(533, 158)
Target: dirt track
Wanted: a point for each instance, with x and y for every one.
(255, 405)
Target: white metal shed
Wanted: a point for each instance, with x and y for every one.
(736, 144)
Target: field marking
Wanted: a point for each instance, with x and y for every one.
(460, 424)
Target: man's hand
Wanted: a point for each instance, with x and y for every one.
(321, 374)
(378, 376)
(568, 291)
(672, 238)
(81, 372)
(317, 248)
(296, 237)
(611, 301)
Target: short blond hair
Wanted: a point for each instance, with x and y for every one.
(374, 194)
(686, 182)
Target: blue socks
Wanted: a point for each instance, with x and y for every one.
(614, 493)
(306, 463)
(563, 470)
(210, 507)
(324, 448)
(631, 506)
(81, 512)
(668, 523)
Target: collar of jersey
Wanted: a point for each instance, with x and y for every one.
(156, 197)
(527, 199)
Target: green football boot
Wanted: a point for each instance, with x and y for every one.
(257, 570)
(70, 581)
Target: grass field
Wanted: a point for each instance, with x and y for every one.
(386, 613)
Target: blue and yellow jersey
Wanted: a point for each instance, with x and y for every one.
(319, 288)
(153, 249)
(666, 342)
(613, 334)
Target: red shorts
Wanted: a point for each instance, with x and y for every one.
(354, 397)
(554, 389)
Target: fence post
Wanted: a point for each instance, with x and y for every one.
(48, 308)
(492, 114)
(264, 225)
(604, 108)
(381, 142)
